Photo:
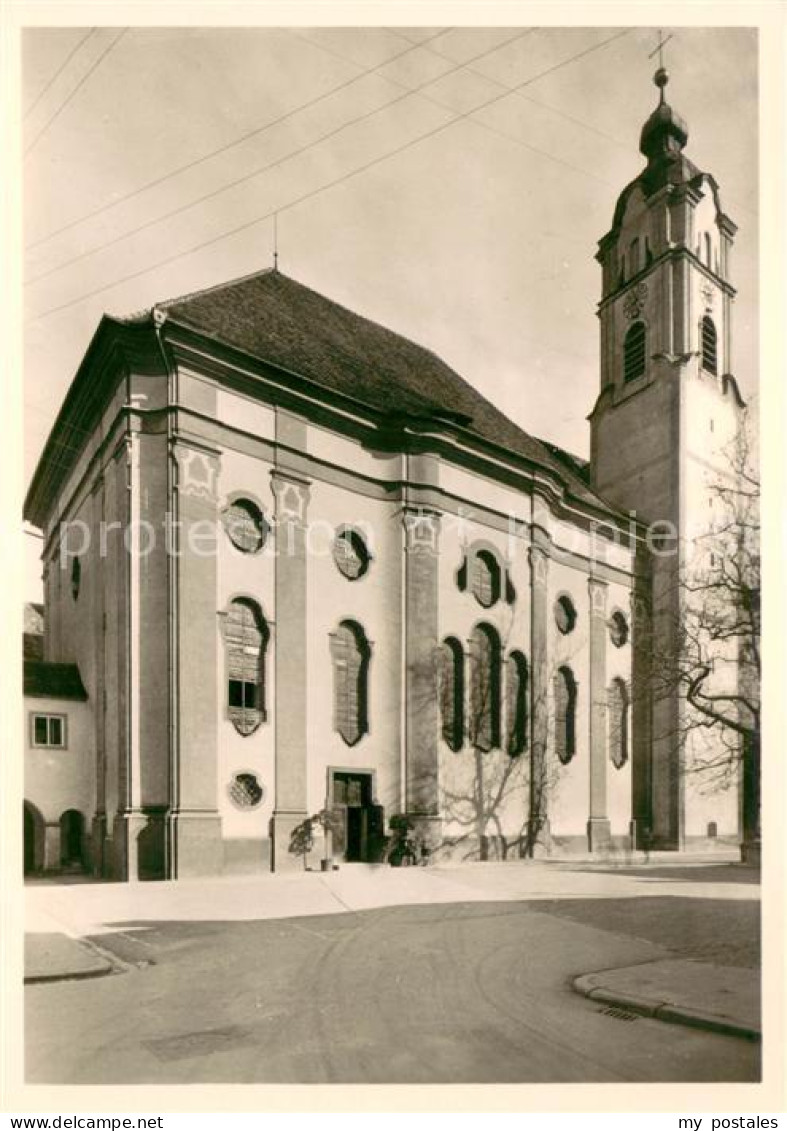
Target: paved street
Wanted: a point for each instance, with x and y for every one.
(473, 990)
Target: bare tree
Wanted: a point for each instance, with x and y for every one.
(499, 794)
(713, 658)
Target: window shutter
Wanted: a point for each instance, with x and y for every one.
(245, 644)
(350, 653)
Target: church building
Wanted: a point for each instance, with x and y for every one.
(294, 563)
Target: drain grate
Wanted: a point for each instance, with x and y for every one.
(619, 1014)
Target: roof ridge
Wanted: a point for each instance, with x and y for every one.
(165, 304)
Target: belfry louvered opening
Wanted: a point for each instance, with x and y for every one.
(634, 352)
(709, 344)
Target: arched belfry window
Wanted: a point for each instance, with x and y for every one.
(485, 662)
(634, 351)
(709, 341)
(565, 696)
(452, 692)
(350, 652)
(618, 721)
(245, 639)
(516, 703)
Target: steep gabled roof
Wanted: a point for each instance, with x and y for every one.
(278, 320)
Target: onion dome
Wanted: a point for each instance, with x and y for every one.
(665, 133)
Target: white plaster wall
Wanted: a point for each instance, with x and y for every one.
(237, 411)
(467, 775)
(374, 601)
(569, 802)
(619, 666)
(246, 575)
(348, 454)
(474, 490)
(60, 779)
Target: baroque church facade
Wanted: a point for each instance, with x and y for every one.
(293, 563)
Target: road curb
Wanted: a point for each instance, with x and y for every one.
(587, 985)
(94, 964)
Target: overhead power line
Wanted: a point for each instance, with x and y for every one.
(60, 70)
(323, 188)
(77, 88)
(408, 92)
(110, 204)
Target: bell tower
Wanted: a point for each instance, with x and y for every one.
(667, 408)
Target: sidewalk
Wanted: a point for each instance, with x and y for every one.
(725, 999)
(55, 955)
(712, 995)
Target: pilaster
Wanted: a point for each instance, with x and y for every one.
(539, 685)
(192, 824)
(421, 597)
(598, 828)
(291, 493)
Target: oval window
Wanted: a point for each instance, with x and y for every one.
(565, 615)
(350, 554)
(245, 525)
(618, 629)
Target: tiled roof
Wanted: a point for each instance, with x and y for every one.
(275, 319)
(53, 681)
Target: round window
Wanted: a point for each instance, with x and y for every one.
(350, 554)
(245, 525)
(565, 615)
(245, 791)
(618, 629)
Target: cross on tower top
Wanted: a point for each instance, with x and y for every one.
(661, 78)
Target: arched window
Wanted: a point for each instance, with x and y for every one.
(708, 331)
(485, 578)
(350, 653)
(634, 251)
(618, 716)
(516, 703)
(634, 352)
(708, 248)
(565, 691)
(246, 639)
(452, 692)
(485, 688)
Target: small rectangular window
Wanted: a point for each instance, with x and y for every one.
(49, 730)
(236, 693)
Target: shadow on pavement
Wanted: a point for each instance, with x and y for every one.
(676, 873)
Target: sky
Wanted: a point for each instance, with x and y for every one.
(449, 183)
